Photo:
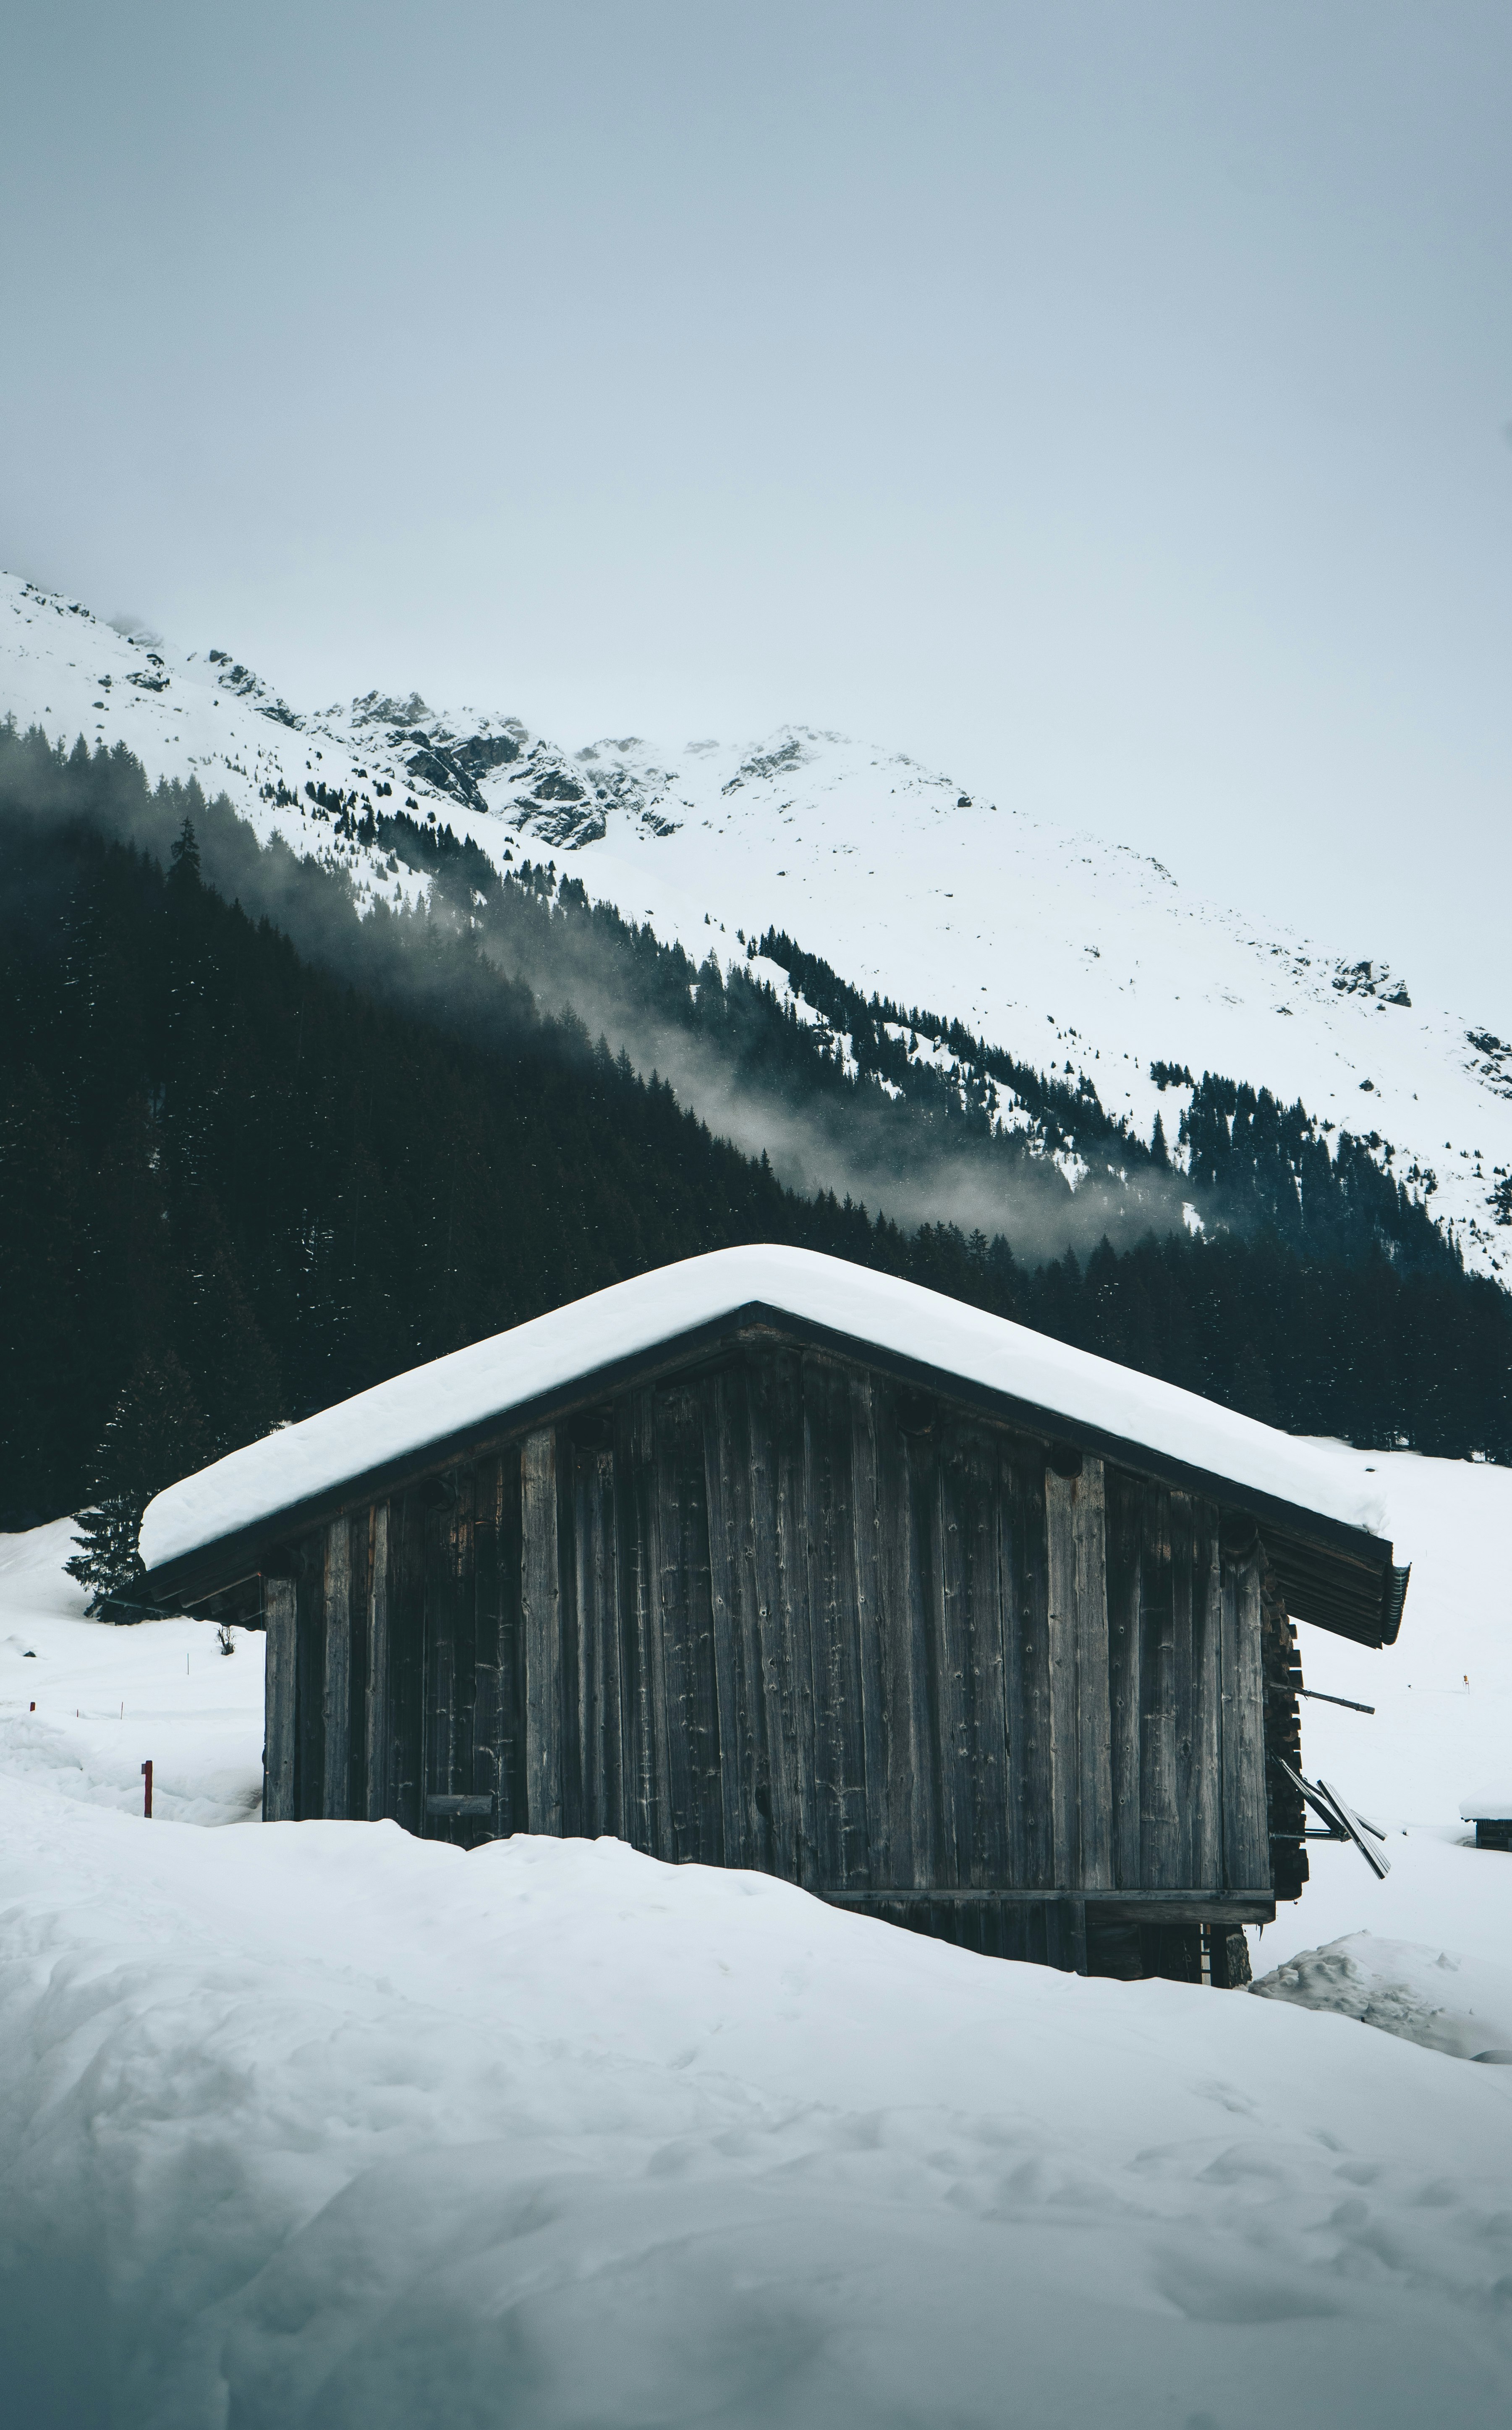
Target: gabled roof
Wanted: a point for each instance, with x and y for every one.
(1322, 1531)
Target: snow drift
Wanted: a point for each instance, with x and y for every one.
(1461, 2005)
(320, 2124)
(315, 2125)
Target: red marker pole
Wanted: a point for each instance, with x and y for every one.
(146, 1795)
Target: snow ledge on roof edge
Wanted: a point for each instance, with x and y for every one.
(490, 1378)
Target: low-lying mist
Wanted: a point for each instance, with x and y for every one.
(283, 1158)
(893, 1160)
(917, 1165)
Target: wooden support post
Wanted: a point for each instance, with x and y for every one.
(1206, 1821)
(278, 1605)
(1094, 1727)
(1163, 1839)
(146, 1793)
(1227, 1956)
(1081, 1737)
(376, 1716)
(740, 1822)
(1125, 1622)
(336, 1795)
(1078, 1934)
(540, 1601)
(1246, 1828)
(1022, 1553)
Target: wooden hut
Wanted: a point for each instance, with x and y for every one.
(767, 1560)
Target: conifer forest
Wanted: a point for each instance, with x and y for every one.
(256, 1154)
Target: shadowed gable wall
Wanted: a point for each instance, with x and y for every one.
(790, 1613)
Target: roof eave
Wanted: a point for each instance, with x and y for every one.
(241, 1552)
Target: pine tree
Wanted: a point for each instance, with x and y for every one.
(155, 1435)
(183, 860)
(108, 1561)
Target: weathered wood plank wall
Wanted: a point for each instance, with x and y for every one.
(1246, 1852)
(540, 1615)
(336, 1733)
(789, 1614)
(278, 1797)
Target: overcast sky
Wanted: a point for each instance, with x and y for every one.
(1110, 404)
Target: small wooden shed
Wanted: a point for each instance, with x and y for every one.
(767, 1560)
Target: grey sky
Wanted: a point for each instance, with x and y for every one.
(1109, 402)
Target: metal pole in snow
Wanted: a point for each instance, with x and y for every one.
(146, 1795)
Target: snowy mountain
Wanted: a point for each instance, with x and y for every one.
(1072, 955)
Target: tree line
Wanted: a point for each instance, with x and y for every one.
(238, 1183)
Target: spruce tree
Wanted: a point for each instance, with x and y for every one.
(155, 1435)
(183, 860)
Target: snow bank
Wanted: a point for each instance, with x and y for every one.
(1459, 2005)
(184, 1788)
(319, 2124)
(490, 1378)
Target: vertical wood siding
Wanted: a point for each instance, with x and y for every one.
(1246, 1852)
(336, 1667)
(1023, 1556)
(407, 1659)
(1080, 1716)
(688, 1746)
(375, 1741)
(278, 1604)
(1206, 1805)
(541, 1612)
(592, 1538)
(786, 1614)
(309, 1579)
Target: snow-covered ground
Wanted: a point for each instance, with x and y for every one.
(107, 1700)
(319, 2124)
(1443, 1694)
(1067, 952)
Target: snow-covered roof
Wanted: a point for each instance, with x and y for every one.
(411, 1413)
(1492, 1805)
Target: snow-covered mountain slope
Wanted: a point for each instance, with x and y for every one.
(1069, 954)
